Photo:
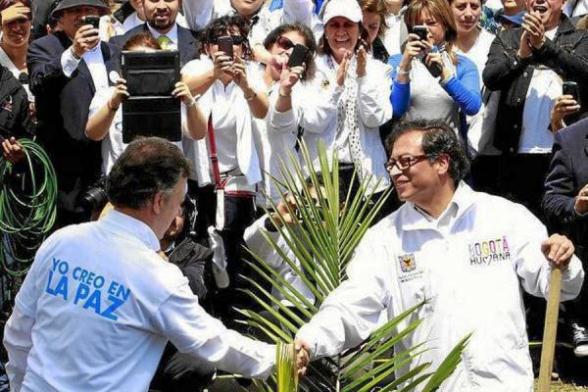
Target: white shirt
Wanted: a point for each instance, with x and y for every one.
(98, 307)
(481, 125)
(545, 87)
(198, 151)
(256, 241)
(201, 12)
(172, 35)
(470, 265)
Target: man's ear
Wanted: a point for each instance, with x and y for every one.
(443, 164)
(157, 203)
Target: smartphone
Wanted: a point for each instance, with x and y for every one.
(421, 31)
(571, 88)
(298, 56)
(225, 45)
(91, 20)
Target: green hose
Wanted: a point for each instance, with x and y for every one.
(27, 209)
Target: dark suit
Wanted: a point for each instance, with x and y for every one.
(187, 43)
(62, 112)
(567, 175)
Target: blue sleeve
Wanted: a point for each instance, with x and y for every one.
(400, 92)
(464, 87)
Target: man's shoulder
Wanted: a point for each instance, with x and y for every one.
(120, 40)
(54, 42)
(187, 34)
(573, 136)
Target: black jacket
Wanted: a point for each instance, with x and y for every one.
(567, 55)
(187, 44)
(14, 107)
(567, 175)
(62, 112)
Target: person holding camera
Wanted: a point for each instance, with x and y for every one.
(65, 70)
(103, 292)
(432, 81)
(105, 120)
(227, 166)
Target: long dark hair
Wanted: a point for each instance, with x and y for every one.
(309, 42)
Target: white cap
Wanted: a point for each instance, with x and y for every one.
(348, 9)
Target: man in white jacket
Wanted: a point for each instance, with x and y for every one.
(467, 253)
(99, 304)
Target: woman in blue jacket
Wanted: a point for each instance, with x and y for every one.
(430, 80)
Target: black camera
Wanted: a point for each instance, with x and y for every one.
(94, 199)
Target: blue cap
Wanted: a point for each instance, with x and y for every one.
(516, 19)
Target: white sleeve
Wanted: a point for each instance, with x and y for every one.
(373, 98)
(318, 108)
(17, 332)
(351, 312)
(68, 62)
(533, 269)
(198, 13)
(18, 342)
(193, 331)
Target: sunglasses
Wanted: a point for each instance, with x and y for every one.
(237, 39)
(285, 43)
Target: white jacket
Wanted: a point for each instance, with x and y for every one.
(470, 264)
(373, 100)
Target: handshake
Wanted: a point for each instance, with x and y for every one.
(302, 356)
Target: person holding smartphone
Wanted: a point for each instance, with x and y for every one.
(431, 81)
(65, 69)
(227, 166)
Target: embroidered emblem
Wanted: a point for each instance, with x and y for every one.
(489, 251)
(407, 262)
(325, 84)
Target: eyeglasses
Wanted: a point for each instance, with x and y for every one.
(237, 39)
(404, 162)
(285, 43)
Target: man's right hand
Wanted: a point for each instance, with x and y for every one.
(12, 150)
(581, 203)
(302, 356)
(86, 38)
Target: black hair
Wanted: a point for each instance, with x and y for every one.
(309, 42)
(147, 166)
(222, 26)
(438, 139)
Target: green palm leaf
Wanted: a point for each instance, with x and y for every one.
(320, 245)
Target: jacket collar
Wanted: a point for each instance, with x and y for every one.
(565, 25)
(126, 224)
(413, 218)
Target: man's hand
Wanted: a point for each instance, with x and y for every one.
(533, 25)
(581, 203)
(85, 39)
(525, 49)
(302, 356)
(12, 150)
(558, 249)
(564, 106)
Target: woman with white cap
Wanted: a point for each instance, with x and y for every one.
(359, 88)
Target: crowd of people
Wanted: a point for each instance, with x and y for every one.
(439, 99)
